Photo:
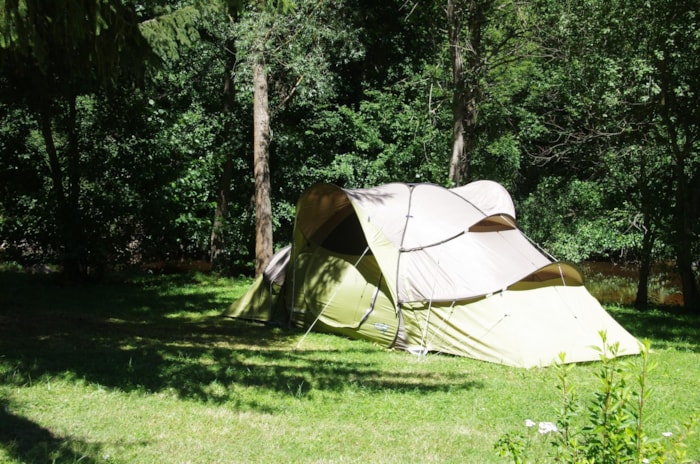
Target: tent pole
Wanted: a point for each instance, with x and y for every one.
(401, 249)
(430, 309)
(329, 302)
(444, 320)
(365, 316)
(561, 274)
(425, 328)
(294, 284)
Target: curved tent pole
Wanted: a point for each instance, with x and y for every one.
(535, 244)
(561, 274)
(401, 248)
(365, 316)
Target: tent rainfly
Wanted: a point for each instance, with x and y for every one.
(423, 268)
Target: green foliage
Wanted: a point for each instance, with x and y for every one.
(607, 102)
(386, 139)
(169, 31)
(24, 195)
(578, 221)
(75, 42)
(588, 115)
(611, 427)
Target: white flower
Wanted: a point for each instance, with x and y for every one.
(645, 461)
(667, 434)
(529, 423)
(546, 427)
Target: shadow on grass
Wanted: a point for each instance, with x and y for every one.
(128, 337)
(27, 441)
(666, 328)
(136, 336)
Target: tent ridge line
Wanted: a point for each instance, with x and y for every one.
(403, 237)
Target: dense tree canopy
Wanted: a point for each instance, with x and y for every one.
(127, 129)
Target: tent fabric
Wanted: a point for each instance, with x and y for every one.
(259, 303)
(276, 269)
(425, 268)
(489, 197)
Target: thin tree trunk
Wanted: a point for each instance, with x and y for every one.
(77, 239)
(466, 83)
(454, 10)
(683, 239)
(684, 249)
(261, 168)
(642, 299)
(217, 242)
(64, 216)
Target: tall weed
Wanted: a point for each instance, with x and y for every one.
(609, 427)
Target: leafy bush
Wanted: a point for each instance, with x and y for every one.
(577, 221)
(609, 428)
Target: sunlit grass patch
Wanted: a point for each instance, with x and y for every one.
(145, 371)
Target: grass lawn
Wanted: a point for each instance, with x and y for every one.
(146, 371)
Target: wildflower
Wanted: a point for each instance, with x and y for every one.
(667, 434)
(546, 427)
(529, 423)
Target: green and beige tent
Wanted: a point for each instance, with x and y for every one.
(423, 268)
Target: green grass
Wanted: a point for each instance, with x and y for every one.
(146, 371)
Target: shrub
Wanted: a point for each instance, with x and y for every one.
(608, 428)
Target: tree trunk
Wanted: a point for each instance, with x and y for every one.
(65, 218)
(466, 83)
(681, 143)
(217, 242)
(684, 249)
(454, 10)
(642, 299)
(261, 168)
(89, 263)
(646, 198)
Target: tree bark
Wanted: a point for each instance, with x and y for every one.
(642, 299)
(454, 10)
(217, 243)
(261, 167)
(466, 83)
(65, 217)
(681, 137)
(88, 264)
(684, 248)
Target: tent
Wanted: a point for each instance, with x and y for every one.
(423, 268)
